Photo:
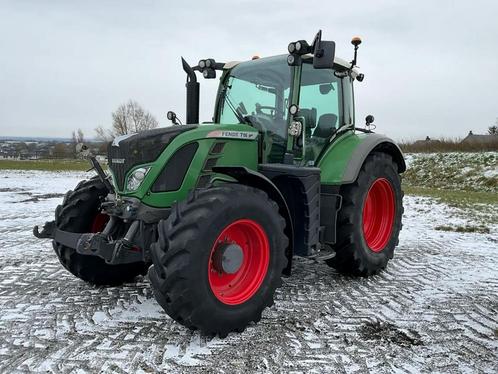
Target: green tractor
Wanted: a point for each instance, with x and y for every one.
(215, 212)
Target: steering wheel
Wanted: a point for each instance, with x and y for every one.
(260, 108)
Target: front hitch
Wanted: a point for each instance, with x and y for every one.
(95, 244)
(47, 230)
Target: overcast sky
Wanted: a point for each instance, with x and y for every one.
(431, 67)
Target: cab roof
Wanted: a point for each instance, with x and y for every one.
(339, 62)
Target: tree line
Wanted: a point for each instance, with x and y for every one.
(131, 117)
(128, 118)
(493, 130)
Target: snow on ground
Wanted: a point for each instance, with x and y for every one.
(435, 308)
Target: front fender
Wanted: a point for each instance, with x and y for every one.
(257, 180)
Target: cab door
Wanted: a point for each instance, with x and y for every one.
(321, 107)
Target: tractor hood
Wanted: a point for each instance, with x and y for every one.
(127, 151)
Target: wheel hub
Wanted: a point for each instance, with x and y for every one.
(238, 261)
(379, 212)
(228, 258)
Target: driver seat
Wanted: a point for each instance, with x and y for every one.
(324, 130)
(326, 126)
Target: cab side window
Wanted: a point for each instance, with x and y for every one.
(320, 103)
(320, 94)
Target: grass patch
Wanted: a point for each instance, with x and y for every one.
(480, 207)
(49, 165)
(456, 198)
(466, 228)
(454, 171)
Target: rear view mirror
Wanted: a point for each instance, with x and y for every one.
(323, 57)
(326, 88)
(369, 120)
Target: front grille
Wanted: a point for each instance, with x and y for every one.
(173, 173)
(138, 149)
(118, 169)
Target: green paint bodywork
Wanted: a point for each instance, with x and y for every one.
(333, 160)
(236, 152)
(336, 157)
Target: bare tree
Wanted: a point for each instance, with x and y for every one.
(120, 121)
(103, 135)
(493, 130)
(78, 136)
(126, 119)
(130, 118)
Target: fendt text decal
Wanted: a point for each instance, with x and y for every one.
(249, 135)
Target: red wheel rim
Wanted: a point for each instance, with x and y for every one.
(236, 288)
(378, 214)
(99, 222)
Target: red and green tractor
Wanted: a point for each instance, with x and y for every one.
(216, 211)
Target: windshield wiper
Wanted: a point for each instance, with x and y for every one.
(239, 116)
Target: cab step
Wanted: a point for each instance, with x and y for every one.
(324, 254)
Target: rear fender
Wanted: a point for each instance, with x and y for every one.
(342, 161)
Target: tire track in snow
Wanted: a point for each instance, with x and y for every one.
(442, 286)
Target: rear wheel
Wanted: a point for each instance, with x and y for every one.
(80, 212)
(370, 218)
(219, 259)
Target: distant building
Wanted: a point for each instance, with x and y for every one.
(31, 155)
(426, 142)
(35, 150)
(480, 139)
(10, 155)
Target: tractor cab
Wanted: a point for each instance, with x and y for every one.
(258, 93)
(263, 92)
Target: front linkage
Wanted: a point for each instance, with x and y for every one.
(101, 244)
(120, 251)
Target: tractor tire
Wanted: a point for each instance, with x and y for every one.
(369, 221)
(80, 212)
(219, 259)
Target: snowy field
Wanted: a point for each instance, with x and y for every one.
(469, 171)
(435, 308)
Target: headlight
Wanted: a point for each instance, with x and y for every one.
(136, 178)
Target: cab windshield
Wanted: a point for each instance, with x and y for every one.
(257, 92)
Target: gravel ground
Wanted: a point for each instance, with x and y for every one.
(435, 309)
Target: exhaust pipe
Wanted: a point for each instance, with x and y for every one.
(192, 94)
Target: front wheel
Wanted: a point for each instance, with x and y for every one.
(369, 221)
(219, 259)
